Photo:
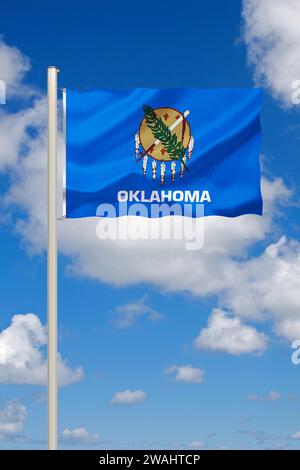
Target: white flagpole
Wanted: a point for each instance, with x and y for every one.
(52, 258)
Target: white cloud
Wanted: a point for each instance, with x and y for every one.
(186, 374)
(165, 263)
(126, 315)
(296, 435)
(219, 269)
(268, 287)
(17, 143)
(271, 396)
(272, 36)
(288, 328)
(12, 419)
(128, 397)
(79, 436)
(229, 335)
(21, 358)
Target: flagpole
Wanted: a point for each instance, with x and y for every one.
(52, 258)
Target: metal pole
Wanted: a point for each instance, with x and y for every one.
(52, 259)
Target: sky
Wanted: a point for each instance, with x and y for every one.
(160, 348)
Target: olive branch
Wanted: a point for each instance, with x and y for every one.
(162, 132)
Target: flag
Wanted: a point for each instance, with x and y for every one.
(147, 151)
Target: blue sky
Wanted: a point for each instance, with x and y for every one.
(211, 392)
